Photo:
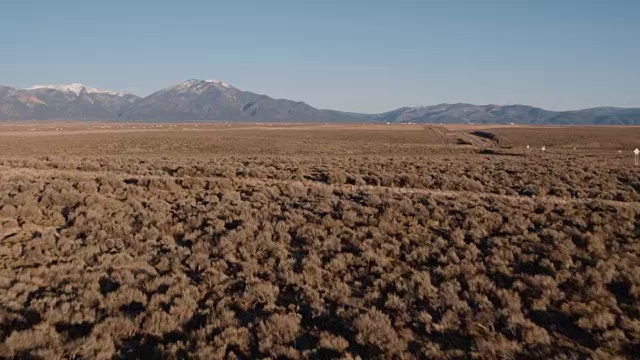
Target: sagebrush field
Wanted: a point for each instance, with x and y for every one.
(318, 242)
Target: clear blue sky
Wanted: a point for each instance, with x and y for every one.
(353, 55)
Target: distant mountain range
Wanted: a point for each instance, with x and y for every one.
(73, 102)
(211, 100)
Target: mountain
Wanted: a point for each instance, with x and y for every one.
(467, 113)
(215, 100)
(598, 116)
(62, 102)
(505, 114)
(211, 100)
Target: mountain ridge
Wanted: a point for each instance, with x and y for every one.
(213, 100)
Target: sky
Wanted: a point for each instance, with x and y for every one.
(350, 55)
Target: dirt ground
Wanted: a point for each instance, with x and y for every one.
(293, 241)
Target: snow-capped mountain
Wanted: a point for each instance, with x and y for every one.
(73, 101)
(216, 100)
(77, 88)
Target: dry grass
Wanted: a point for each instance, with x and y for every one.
(316, 242)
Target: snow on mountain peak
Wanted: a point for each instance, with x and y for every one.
(197, 86)
(74, 88)
(77, 88)
(219, 83)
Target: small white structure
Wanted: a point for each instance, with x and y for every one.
(544, 148)
(636, 152)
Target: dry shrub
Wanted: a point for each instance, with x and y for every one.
(261, 245)
(277, 332)
(374, 329)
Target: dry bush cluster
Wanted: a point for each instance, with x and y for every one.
(245, 141)
(244, 257)
(567, 176)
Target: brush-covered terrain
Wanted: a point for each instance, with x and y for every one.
(318, 242)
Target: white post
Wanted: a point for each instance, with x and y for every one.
(636, 152)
